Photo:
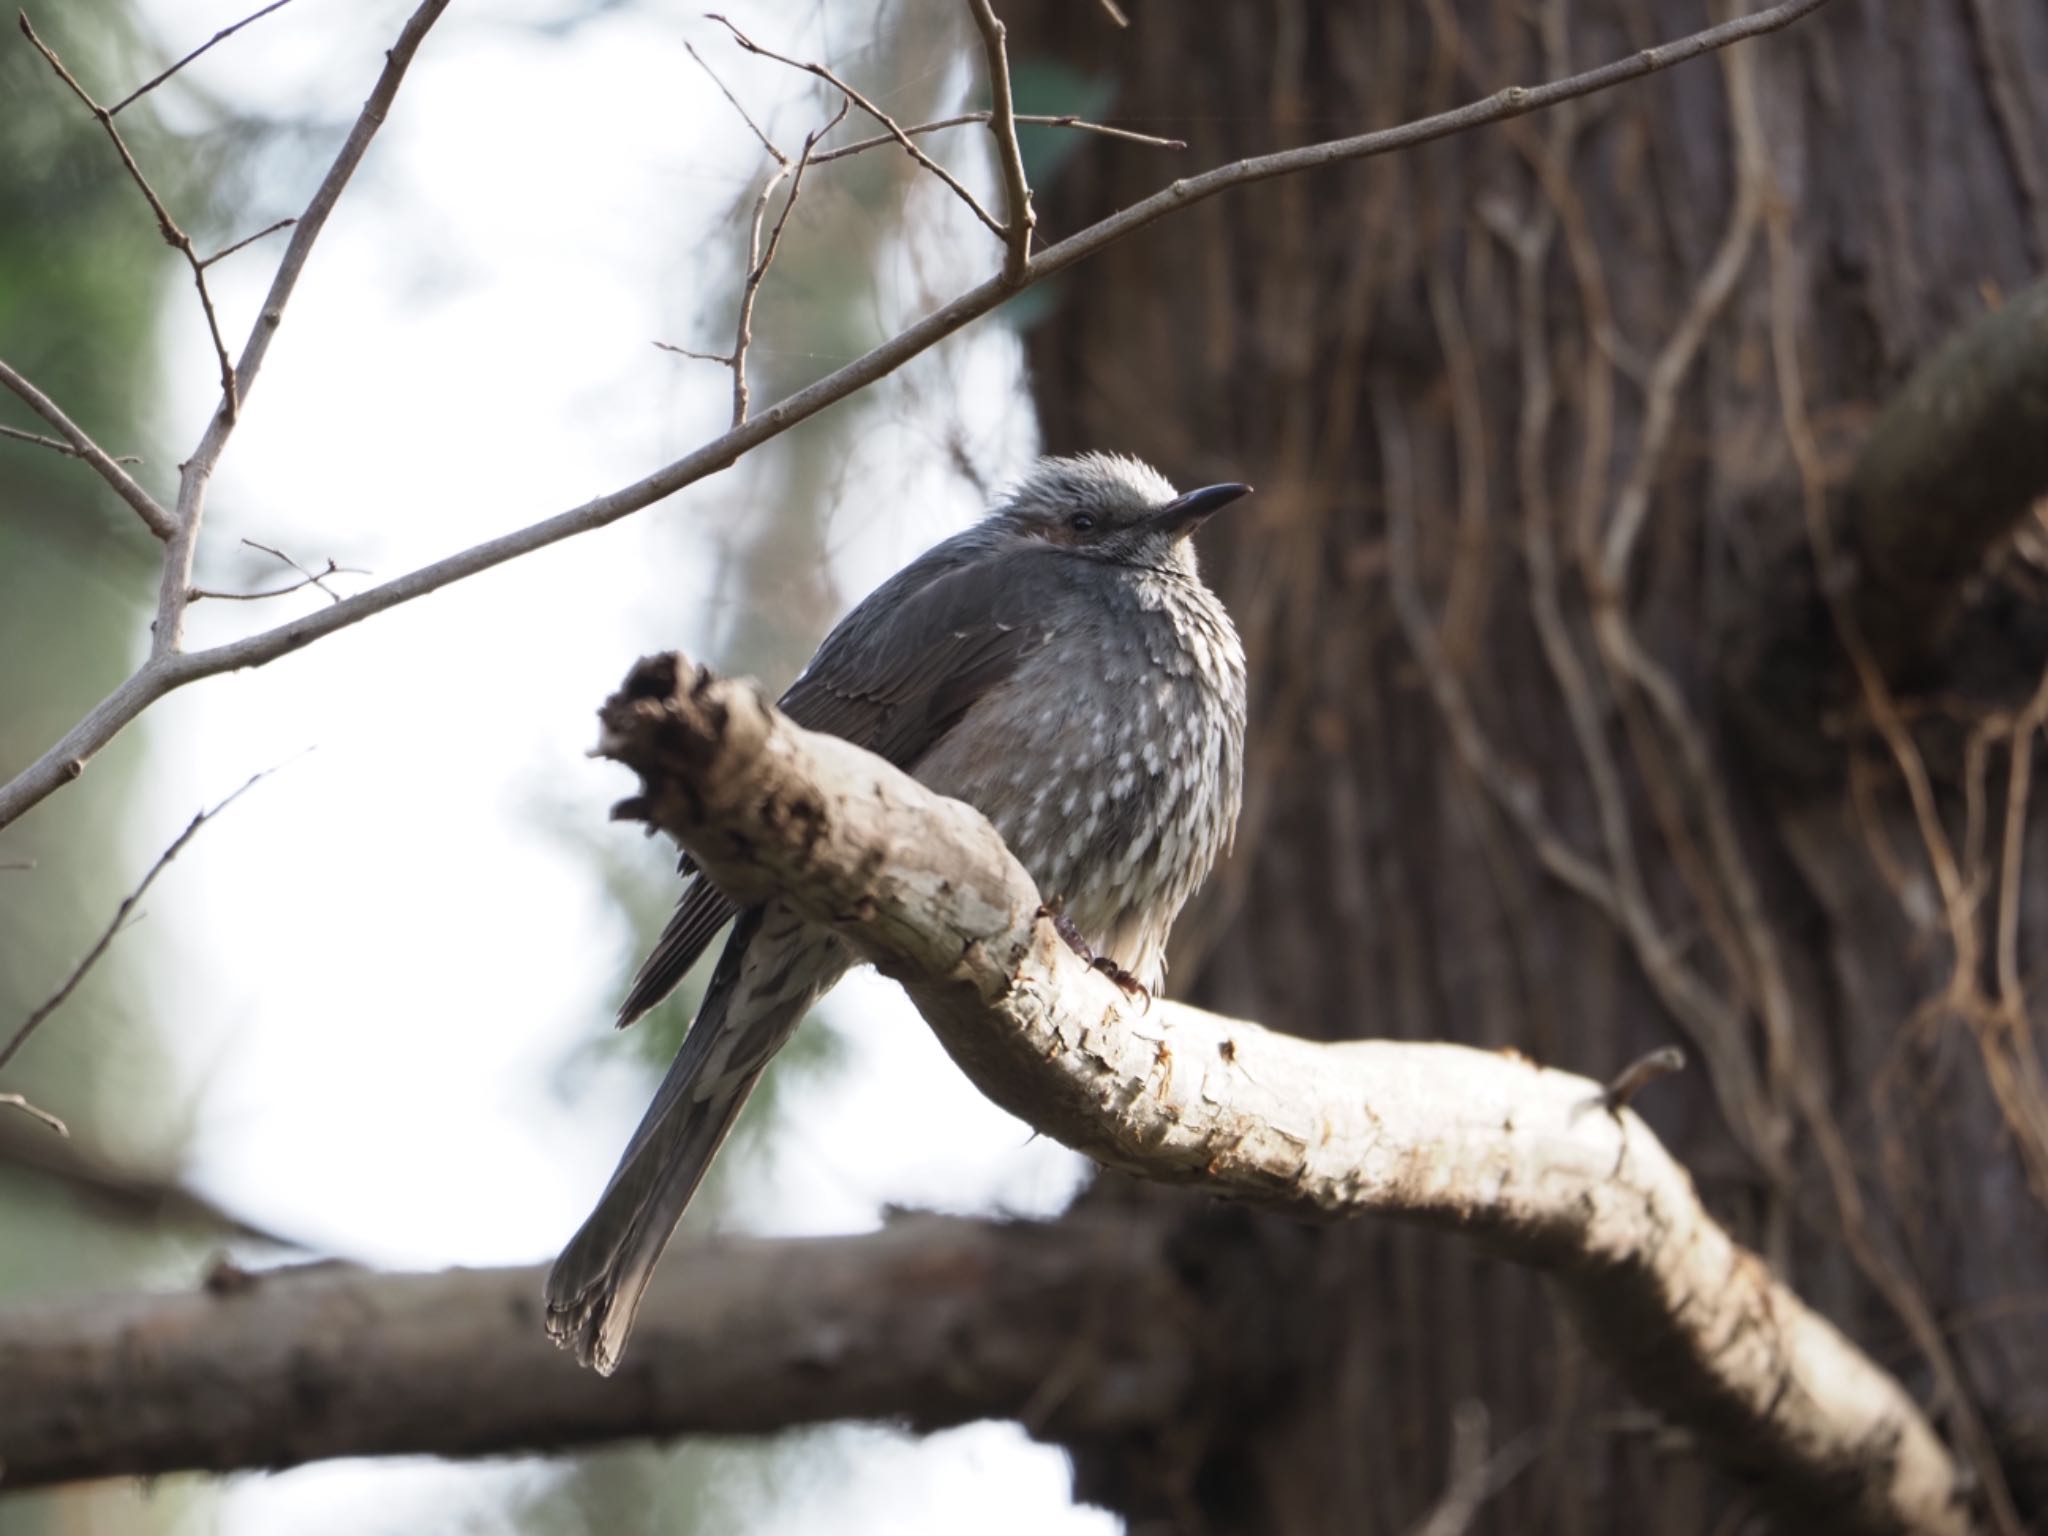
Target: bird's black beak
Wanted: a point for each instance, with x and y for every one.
(1183, 515)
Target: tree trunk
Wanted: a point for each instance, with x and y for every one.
(1557, 744)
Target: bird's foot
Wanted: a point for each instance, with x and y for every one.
(1129, 984)
(1064, 926)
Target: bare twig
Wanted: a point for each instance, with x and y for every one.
(1036, 119)
(16, 1101)
(1115, 12)
(171, 669)
(196, 473)
(224, 33)
(147, 507)
(867, 106)
(1018, 219)
(167, 226)
(311, 578)
(724, 360)
(758, 259)
(57, 999)
(249, 240)
(758, 265)
(66, 449)
(745, 116)
(1638, 1075)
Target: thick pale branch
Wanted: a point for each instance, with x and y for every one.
(67, 759)
(1532, 1161)
(1079, 1329)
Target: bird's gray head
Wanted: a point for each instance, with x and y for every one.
(1110, 507)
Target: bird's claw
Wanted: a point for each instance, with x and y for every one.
(1126, 982)
(1064, 926)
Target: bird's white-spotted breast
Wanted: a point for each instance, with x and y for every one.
(1120, 776)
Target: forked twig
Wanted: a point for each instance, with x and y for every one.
(759, 258)
(167, 226)
(312, 578)
(155, 516)
(306, 579)
(895, 130)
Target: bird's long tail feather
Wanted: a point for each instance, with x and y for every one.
(764, 982)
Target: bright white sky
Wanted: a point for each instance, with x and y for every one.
(384, 957)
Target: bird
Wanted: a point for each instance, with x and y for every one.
(1061, 666)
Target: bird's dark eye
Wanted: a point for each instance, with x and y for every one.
(1081, 522)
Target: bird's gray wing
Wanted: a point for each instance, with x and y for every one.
(895, 675)
(695, 922)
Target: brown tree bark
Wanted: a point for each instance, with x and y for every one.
(740, 1336)
(1558, 744)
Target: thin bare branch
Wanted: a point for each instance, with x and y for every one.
(167, 226)
(759, 259)
(222, 35)
(66, 449)
(152, 512)
(172, 670)
(1018, 219)
(867, 106)
(57, 999)
(174, 588)
(1036, 119)
(248, 240)
(312, 578)
(1115, 13)
(745, 117)
(721, 358)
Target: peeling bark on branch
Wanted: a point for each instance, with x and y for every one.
(1079, 1330)
(1524, 1157)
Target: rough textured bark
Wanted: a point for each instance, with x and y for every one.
(1097, 1334)
(1538, 418)
(1548, 1168)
